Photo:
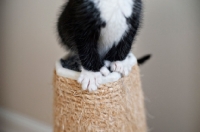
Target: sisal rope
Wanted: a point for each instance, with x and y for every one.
(114, 107)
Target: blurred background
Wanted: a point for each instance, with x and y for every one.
(29, 49)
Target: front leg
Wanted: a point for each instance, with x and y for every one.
(90, 77)
(120, 57)
(118, 54)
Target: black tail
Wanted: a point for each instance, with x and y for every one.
(143, 59)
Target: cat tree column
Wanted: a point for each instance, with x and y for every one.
(117, 106)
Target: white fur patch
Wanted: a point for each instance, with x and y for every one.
(90, 80)
(114, 13)
(63, 72)
(125, 66)
(107, 63)
(104, 71)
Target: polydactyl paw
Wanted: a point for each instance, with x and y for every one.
(125, 66)
(90, 80)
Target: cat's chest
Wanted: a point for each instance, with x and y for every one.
(114, 14)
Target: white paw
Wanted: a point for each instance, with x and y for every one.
(125, 66)
(104, 71)
(118, 66)
(90, 80)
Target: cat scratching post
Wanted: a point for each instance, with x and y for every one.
(115, 107)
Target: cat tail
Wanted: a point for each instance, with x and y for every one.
(143, 59)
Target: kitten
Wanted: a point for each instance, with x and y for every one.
(99, 34)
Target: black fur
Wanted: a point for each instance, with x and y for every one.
(143, 59)
(73, 62)
(79, 27)
(120, 51)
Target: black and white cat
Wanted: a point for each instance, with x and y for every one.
(99, 34)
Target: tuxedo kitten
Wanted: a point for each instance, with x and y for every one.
(99, 34)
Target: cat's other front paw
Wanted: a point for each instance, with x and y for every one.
(125, 66)
(90, 80)
(118, 66)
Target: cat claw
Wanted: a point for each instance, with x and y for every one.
(90, 80)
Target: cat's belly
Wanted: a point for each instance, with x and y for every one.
(114, 13)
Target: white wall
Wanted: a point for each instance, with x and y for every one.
(28, 51)
(171, 82)
(171, 32)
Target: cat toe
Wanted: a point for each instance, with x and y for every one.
(104, 71)
(92, 88)
(117, 66)
(90, 80)
(126, 72)
(85, 83)
(124, 66)
(121, 67)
